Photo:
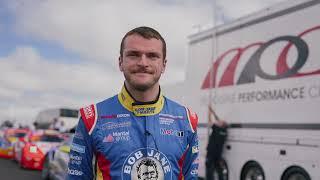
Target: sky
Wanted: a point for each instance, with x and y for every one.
(58, 53)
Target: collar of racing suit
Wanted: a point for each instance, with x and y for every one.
(140, 108)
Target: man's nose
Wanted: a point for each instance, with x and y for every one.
(143, 61)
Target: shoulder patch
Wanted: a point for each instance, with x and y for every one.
(89, 117)
(193, 119)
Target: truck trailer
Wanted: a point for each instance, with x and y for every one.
(46, 117)
(261, 74)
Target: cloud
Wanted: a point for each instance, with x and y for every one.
(31, 81)
(93, 30)
(227, 10)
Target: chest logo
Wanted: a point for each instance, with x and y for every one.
(117, 137)
(146, 164)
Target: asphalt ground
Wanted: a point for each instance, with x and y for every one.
(9, 170)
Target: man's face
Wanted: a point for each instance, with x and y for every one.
(148, 173)
(142, 62)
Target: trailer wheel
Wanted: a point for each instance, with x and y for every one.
(295, 173)
(252, 171)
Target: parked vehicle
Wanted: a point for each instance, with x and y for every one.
(34, 150)
(9, 138)
(56, 161)
(261, 74)
(31, 136)
(6, 149)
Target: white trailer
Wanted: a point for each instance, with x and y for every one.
(261, 73)
(68, 116)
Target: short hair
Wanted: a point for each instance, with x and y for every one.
(147, 33)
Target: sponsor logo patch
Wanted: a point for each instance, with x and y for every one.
(77, 158)
(78, 148)
(171, 132)
(78, 135)
(75, 172)
(88, 112)
(144, 110)
(171, 116)
(146, 163)
(108, 138)
(168, 119)
(117, 136)
(114, 125)
(195, 149)
(75, 162)
(194, 172)
(196, 161)
(115, 116)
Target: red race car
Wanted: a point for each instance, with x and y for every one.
(31, 136)
(34, 150)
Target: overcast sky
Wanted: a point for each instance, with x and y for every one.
(63, 53)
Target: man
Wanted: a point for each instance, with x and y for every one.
(114, 136)
(215, 146)
(62, 128)
(147, 170)
(55, 125)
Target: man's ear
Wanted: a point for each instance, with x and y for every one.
(120, 63)
(164, 65)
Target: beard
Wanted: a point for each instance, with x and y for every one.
(142, 86)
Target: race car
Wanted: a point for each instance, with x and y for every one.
(33, 152)
(10, 137)
(56, 161)
(6, 150)
(31, 136)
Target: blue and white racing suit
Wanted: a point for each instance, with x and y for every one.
(119, 138)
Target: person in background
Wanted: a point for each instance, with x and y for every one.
(55, 124)
(62, 128)
(33, 126)
(115, 137)
(215, 145)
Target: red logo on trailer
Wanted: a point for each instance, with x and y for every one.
(252, 68)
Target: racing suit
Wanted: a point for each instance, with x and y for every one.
(120, 138)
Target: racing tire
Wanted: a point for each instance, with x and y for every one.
(295, 173)
(252, 171)
(45, 173)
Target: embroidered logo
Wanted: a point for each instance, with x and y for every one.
(146, 163)
(171, 132)
(108, 138)
(88, 112)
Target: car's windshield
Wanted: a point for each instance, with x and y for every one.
(51, 138)
(20, 134)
